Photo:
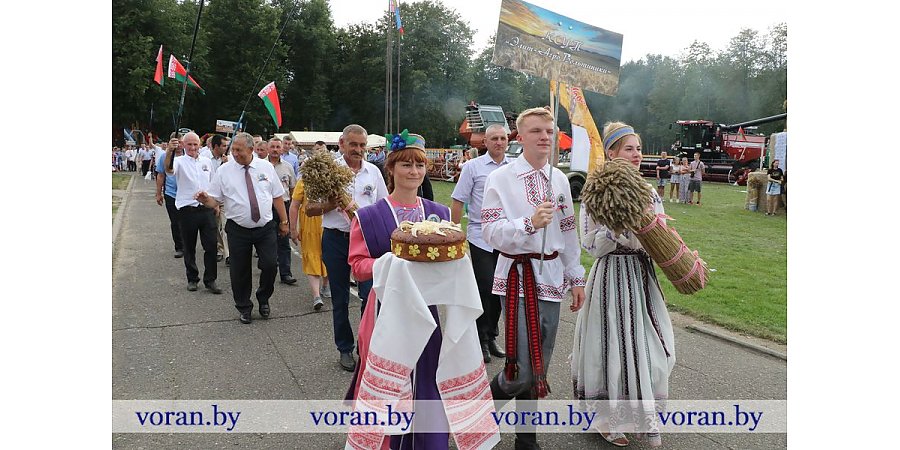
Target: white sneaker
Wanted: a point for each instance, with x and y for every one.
(325, 291)
(317, 303)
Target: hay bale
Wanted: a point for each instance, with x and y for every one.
(756, 189)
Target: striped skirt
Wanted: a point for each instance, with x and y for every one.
(624, 344)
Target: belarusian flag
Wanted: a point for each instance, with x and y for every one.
(269, 96)
(178, 72)
(158, 77)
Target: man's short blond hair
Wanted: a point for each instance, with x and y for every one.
(355, 129)
(541, 112)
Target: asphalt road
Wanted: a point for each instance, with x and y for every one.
(169, 343)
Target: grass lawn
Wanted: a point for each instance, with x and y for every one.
(748, 251)
(120, 182)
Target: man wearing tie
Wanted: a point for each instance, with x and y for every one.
(249, 188)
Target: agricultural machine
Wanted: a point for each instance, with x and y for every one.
(725, 149)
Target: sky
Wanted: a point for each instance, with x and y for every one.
(648, 26)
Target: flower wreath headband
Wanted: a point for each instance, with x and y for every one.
(405, 139)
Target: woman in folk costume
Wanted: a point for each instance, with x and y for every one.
(370, 237)
(624, 344)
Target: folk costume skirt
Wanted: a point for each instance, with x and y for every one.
(624, 344)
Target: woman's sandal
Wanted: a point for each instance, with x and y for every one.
(617, 439)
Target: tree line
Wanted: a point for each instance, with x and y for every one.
(328, 77)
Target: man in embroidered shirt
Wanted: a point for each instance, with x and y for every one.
(192, 174)
(519, 206)
(367, 188)
(470, 189)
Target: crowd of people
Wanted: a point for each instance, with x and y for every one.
(245, 197)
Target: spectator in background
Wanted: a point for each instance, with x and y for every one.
(288, 156)
(663, 167)
(697, 169)
(674, 180)
(684, 194)
(145, 156)
(773, 189)
(130, 155)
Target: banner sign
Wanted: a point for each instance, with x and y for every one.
(225, 126)
(543, 43)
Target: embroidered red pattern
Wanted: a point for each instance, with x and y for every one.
(567, 224)
(491, 214)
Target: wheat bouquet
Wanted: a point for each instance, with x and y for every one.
(617, 197)
(324, 179)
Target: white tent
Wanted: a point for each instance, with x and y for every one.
(375, 141)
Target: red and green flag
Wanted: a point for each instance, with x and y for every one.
(158, 76)
(269, 96)
(178, 72)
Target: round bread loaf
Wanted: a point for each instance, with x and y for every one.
(428, 241)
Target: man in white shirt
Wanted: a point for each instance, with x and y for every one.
(145, 156)
(216, 148)
(249, 189)
(129, 157)
(192, 174)
(470, 189)
(520, 205)
(288, 179)
(367, 188)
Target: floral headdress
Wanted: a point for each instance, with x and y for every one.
(403, 140)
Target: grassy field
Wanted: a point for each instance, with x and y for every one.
(747, 292)
(120, 182)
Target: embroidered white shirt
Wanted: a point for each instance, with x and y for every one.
(511, 195)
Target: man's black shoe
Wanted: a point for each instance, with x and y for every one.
(211, 287)
(495, 351)
(192, 286)
(228, 262)
(347, 362)
(245, 318)
(219, 258)
(179, 254)
(485, 353)
(288, 280)
(264, 311)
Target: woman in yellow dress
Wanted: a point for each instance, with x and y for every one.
(306, 232)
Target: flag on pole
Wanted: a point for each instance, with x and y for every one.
(158, 76)
(128, 136)
(587, 146)
(178, 72)
(395, 8)
(741, 134)
(269, 96)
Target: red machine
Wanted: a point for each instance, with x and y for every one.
(725, 149)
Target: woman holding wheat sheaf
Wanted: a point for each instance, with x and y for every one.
(624, 344)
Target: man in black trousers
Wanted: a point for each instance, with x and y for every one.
(192, 174)
(249, 188)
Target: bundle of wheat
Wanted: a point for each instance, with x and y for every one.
(617, 197)
(324, 179)
(684, 268)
